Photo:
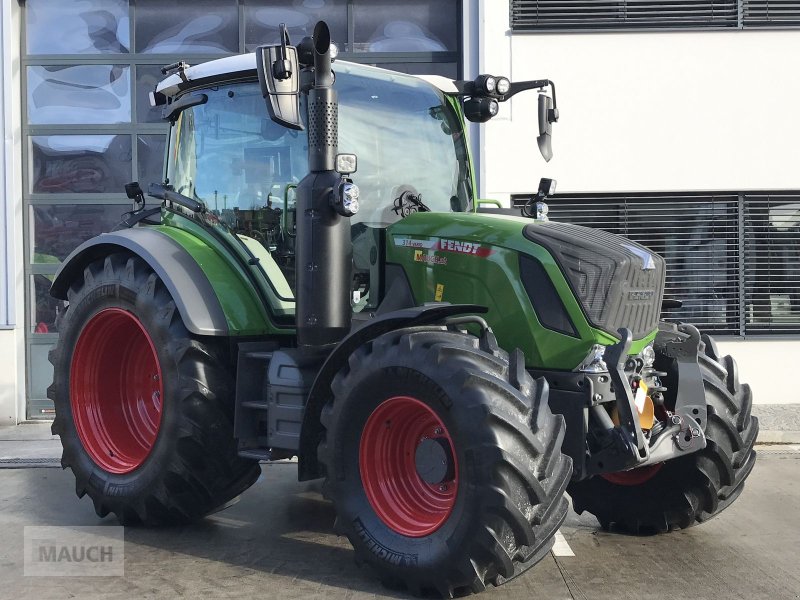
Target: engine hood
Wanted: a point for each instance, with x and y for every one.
(552, 289)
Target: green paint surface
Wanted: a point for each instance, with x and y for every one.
(242, 306)
(480, 265)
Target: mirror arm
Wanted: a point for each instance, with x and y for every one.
(523, 86)
(281, 69)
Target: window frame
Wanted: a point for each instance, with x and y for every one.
(134, 128)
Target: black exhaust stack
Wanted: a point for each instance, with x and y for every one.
(323, 248)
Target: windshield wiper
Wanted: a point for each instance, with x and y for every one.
(160, 191)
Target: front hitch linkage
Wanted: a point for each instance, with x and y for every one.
(684, 433)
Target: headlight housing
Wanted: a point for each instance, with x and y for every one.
(345, 200)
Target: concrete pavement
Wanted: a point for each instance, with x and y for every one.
(277, 542)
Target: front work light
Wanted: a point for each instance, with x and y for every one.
(345, 199)
(485, 84)
(480, 110)
(547, 187)
(489, 85)
(503, 86)
(346, 164)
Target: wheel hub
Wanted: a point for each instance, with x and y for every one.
(434, 460)
(116, 390)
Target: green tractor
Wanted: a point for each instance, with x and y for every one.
(451, 369)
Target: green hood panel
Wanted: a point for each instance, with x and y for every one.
(474, 258)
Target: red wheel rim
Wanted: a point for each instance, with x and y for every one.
(634, 476)
(399, 496)
(116, 390)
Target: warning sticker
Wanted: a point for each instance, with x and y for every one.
(430, 259)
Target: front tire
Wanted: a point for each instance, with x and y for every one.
(694, 488)
(143, 407)
(492, 508)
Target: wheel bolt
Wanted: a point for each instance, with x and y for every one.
(443, 487)
(438, 431)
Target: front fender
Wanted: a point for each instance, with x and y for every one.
(312, 430)
(203, 306)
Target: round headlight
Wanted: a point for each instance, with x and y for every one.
(503, 86)
(334, 51)
(648, 356)
(490, 84)
(480, 109)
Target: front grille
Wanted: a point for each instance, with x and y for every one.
(617, 282)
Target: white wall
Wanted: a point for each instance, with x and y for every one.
(647, 111)
(12, 339)
(652, 112)
(764, 365)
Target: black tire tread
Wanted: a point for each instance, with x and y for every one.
(203, 472)
(520, 419)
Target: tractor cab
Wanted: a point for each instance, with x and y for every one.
(225, 152)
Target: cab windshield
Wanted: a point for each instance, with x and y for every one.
(227, 153)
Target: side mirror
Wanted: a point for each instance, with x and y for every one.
(547, 116)
(279, 78)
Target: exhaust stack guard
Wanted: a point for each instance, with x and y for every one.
(324, 249)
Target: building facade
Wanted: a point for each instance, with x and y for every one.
(677, 129)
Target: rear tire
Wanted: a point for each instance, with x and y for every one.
(688, 490)
(148, 452)
(495, 513)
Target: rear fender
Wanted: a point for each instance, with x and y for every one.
(197, 298)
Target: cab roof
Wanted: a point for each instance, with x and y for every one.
(243, 67)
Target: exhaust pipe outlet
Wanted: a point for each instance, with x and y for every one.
(323, 251)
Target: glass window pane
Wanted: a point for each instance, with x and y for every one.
(147, 77)
(184, 26)
(45, 309)
(229, 154)
(60, 228)
(375, 126)
(90, 94)
(41, 376)
(79, 164)
(262, 18)
(151, 159)
(77, 26)
(411, 26)
(444, 69)
(772, 265)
